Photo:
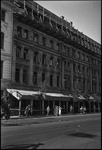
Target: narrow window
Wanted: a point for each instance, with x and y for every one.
(51, 80)
(19, 31)
(43, 59)
(1, 69)
(51, 61)
(18, 51)
(51, 44)
(43, 77)
(25, 54)
(44, 41)
(58, 46)
(17, 75)
(36, 38)
(58, 81)
(35, 78)
(3, 15)
(25, 76)
(35, 57)
(26, 34)
(2, 40)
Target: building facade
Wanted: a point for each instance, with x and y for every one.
(44, 48)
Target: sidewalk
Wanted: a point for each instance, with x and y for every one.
(19, 121)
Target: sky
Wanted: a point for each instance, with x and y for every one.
(85, 15)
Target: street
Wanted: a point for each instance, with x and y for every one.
(70, 132)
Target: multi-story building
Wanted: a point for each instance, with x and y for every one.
(41, 47)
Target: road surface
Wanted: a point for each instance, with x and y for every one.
(76, 132)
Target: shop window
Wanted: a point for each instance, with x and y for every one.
(51, 80)
(17, 75)
(2, 40)
(3, 15)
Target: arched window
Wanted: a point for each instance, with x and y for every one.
(2, 40)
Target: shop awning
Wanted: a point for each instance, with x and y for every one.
(57, 96)
(23, 94)
(18, 94)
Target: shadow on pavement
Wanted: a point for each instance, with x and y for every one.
(85, 135)
(23, 146)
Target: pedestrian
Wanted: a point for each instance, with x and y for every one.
(81, 109)
(48, 110)
(59, 109)
(27, 109)
(94, 108)
(71, 109)
(84, 110)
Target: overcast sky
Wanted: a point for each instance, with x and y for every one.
(85, 15)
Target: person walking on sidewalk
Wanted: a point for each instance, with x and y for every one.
(48, 110)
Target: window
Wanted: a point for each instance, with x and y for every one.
(69, 82)
(2, 40)
(83, 56)
(74, 68)
(25, 76)
(64, 49)
(51, 61)
(36, 38)
(1, 69)
(67, 51)
(25, 54)
(58, 81)
(83, 70)
(19, 31)
(78, 54)
(44, 41)
(35, 78)
(43, 77)
(65, 81)
(18, 51)
(43, 59)
(58, 62)
(65, 63)
(51, 80)
(79, 69)
(35, 57)
(17, 75)
(87, 58)
(26, 34)
(68, 66)
(51, 44)
(58, 46)
(73, 53)
(3, 15)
